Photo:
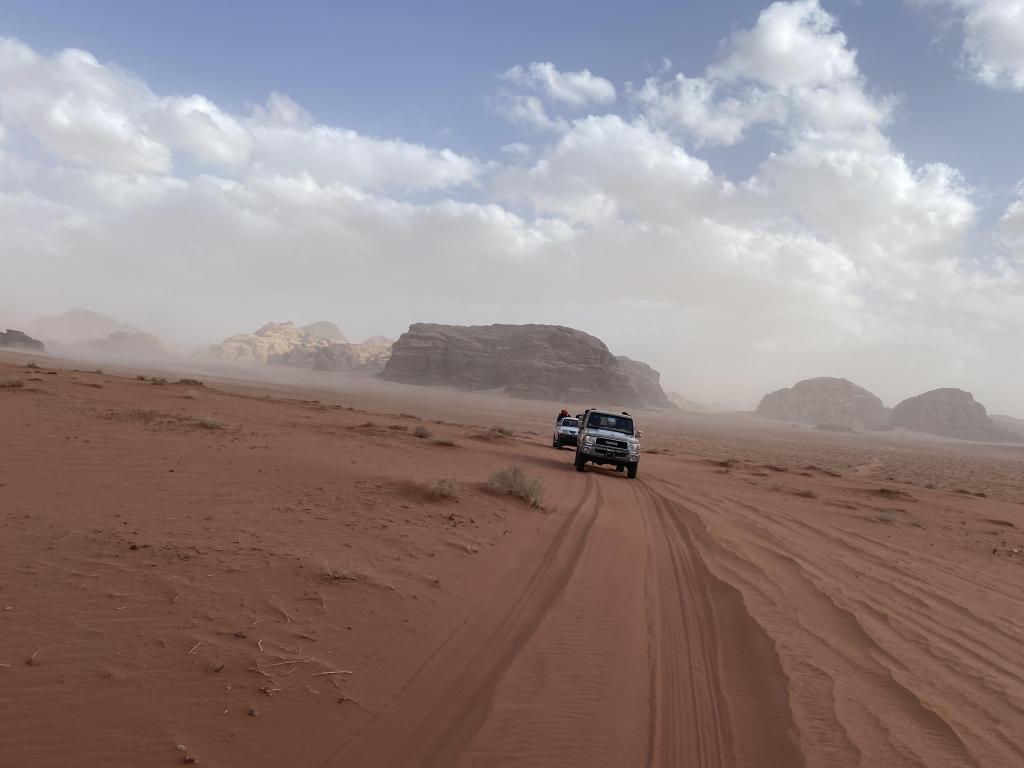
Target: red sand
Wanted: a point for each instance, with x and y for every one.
(262, 577)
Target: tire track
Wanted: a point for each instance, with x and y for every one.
(440, 711)
(719, 695)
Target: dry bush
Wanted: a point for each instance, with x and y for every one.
(807, 494)
(210, 422)
(32, 364)
(140, 377)
(513, 481)
(367, 425)
(445, 488)
(503, 431)
(12, 384)
(444, 442)
(421, 432)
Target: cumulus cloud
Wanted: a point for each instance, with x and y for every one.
(577, 89)
(837, 255)
(993, 39)
(793, 69)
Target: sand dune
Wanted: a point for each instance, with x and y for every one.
(261, 575)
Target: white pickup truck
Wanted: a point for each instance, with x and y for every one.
(608, 438)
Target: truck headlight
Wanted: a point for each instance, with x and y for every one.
(588, 440)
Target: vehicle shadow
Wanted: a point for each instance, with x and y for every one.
(564, 460)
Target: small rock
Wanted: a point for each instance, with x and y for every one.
(254, 712)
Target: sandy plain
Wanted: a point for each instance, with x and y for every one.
(242, 573)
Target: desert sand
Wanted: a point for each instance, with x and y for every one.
(260, 574)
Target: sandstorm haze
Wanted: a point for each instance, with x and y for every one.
(784, 204)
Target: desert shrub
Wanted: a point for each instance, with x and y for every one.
(807, 494)
(421, 432)
(209, 422)
(444, 442)
(503, 431)
(32, 364)
(445, 488)
(12, 384)
(513, 481)
(140, 377)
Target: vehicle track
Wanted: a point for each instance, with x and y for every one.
(533, 679)
(438, 713)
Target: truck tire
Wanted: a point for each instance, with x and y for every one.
(555, 444)
(631, 470)
(580, 462)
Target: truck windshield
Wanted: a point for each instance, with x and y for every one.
(623, 424)
(569, 423)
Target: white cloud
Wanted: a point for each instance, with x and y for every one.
(838, 255)
(792, 69)
(793, 45)
(1011, 225)
(92, 115)
(577, 89)
(993, 39)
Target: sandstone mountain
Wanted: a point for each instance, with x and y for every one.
(546, 362)
(123, 344)
(949, 412)
(20, 340)
(1011, 423)
(825, 401)
(284, 344)
(78, 325)
(324, 329)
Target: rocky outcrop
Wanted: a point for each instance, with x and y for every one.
(546, 362)
(825, 401)
(19, 340)
(1010, 423)
(284, 344)
(951, 413)
(336, 357)
(123, 344)
(647, 381)
(324, 329)
(77, 325)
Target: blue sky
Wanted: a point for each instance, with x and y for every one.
(807, 187)
(424, 71)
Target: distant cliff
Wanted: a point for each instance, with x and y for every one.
(546, 362)
(825, 401)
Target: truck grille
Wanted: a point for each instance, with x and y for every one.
(620, 444)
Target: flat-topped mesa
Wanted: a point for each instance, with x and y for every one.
(19, 340)
(825, 401)
(952, 413)
(540, 362)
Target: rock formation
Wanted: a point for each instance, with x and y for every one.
(284, 344)
(825, 401)
(547, 362)
(324, 329)
(122, 343)
(949, 412)
(19, 340)
(1011, 423)
(77, 325)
